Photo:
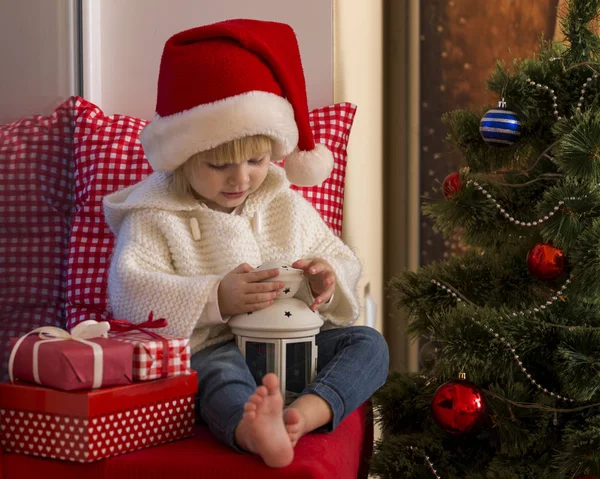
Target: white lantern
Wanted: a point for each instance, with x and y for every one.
(280, 339)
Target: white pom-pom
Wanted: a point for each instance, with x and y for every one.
(309, 168)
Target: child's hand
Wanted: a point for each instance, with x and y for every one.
(320, 277)
(240, 290)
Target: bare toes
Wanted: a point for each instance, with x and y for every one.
(262, 391)
(271, 383)
(291, 416)
(249, 415)
(256, 399)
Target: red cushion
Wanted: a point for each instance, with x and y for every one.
(340, 454)
(331, 126)
(36, 199)
(109, 156)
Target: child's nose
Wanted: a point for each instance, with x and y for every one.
(239, 175)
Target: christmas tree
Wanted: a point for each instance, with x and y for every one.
(518, 314)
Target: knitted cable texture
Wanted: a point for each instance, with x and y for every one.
(158, 266)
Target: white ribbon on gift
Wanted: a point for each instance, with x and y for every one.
(85, 330)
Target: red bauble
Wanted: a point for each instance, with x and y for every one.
(544, 261)
(459, 407)
(451, 185)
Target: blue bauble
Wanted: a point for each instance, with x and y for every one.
(499, 126)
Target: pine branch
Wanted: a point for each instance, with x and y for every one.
(571, 207)
(585, 257)
(584, 43)
(580, 451)
(577, 152)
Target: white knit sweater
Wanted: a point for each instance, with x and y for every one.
(161, 263)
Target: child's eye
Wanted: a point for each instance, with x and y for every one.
(217, 167)
(256, 161)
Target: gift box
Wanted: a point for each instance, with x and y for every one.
(154, 355)
(82, 359)
(85, 426)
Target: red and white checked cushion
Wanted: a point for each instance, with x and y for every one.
(36, 207)
(108, 157)
(331, 126)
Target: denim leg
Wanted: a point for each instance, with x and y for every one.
(353, 363)
(224, 386)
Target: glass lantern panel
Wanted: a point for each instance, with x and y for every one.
(260, 358)
(297, 366)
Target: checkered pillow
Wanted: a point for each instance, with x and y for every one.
(331, 126)
(36, 208)
(109, 156)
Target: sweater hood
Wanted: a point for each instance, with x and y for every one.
(153, 193)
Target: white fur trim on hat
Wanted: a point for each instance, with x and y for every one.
(171, 140)
(309, 168)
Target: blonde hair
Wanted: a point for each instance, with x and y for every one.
(234, 151)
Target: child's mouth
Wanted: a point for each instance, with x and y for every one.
(234, 196)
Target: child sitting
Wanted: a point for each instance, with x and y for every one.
(232, 99)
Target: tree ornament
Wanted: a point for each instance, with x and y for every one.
(428, 354)
(546, 262)
(459, 406)
(499, 126)
(451, 185)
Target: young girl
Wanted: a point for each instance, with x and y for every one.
(231, 98)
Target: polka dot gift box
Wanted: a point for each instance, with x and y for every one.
(85, 426)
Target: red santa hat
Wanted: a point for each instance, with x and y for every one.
(229, 80)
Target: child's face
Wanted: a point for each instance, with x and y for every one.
(225, 187)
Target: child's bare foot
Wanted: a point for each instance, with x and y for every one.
(294, 424)
(261, 429)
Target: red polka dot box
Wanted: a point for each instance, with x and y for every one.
(90, 425)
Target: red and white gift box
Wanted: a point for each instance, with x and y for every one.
(85, 426)
(154, 358)
(81, 359)
(155, 355)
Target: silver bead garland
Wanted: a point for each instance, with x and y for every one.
(539, 86)
(512, 219)
(507, 345)
(429, 463)
(549, 302)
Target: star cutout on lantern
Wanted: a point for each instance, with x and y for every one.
(288, 314)
(286, 290)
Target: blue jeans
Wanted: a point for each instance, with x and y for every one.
(353, 363)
